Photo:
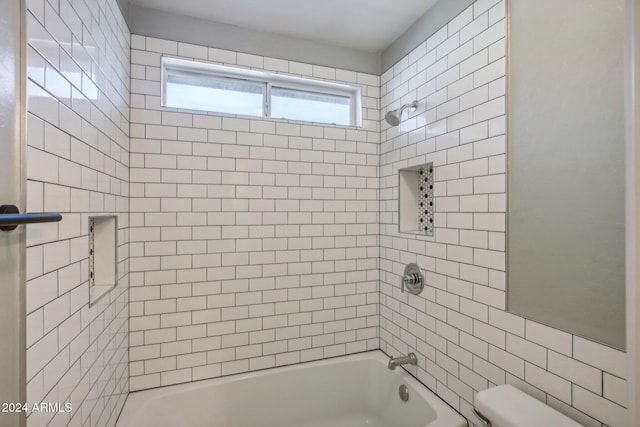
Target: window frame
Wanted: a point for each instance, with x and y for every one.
(174, 66)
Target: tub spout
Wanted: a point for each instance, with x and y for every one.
(410, 359)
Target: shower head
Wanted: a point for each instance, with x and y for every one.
(393, 117)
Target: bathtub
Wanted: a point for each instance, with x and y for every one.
(350, 391)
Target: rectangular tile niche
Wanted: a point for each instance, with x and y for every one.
(416, 204)
(103, 256)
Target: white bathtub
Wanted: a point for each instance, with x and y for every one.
(350, 391)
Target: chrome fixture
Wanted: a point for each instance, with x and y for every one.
(412, 279)
(409, 359)
(393, 117)
(485, 421)
(403, 391)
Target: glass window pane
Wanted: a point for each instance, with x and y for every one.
(309, 106)
(198, 92)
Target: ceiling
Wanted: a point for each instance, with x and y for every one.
(366, 25)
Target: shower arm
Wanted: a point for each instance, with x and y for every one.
(413, 104)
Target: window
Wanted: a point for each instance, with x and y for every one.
(310, 106)
(208, 87)
(202, 92)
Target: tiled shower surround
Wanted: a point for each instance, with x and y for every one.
(254, 242)
(78, 165)
(248, 243)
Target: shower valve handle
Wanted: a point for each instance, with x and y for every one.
(412, 279)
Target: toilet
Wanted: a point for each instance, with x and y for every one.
(506, 406)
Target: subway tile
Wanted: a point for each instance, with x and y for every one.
(324, 72)
(489, 334)
(489, 110)
(510, 363)
(482, 6)
(527, 350)
(222, 56)
(161, 46)
(475, 27)
(598, 407)
(489, 221)
(578, 373)
(488, 73)
(492, 34)
(614, 389)
(192, 51)
(248, 60)
(547, 382)
(507, 321)
(599, 356)
(475, 345)
(497, 50)
(549, 337)
(488, 370)
(490, 259)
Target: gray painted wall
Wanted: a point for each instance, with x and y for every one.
(434, 19)
(124, 8)
(156, 23)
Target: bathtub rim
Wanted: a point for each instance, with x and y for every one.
(447, 416)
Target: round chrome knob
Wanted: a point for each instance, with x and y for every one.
(412, 279)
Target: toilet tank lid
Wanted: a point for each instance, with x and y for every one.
(506, 406)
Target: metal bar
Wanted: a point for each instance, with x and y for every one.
(482, 418)
(29, 218)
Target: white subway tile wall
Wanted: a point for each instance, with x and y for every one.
(254, 242)
(78, 60)
(465, 340)
(249, 243)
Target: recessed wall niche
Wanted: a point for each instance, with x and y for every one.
(416, 203)
(103, 256)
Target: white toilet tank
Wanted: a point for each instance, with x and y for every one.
(506, 406)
